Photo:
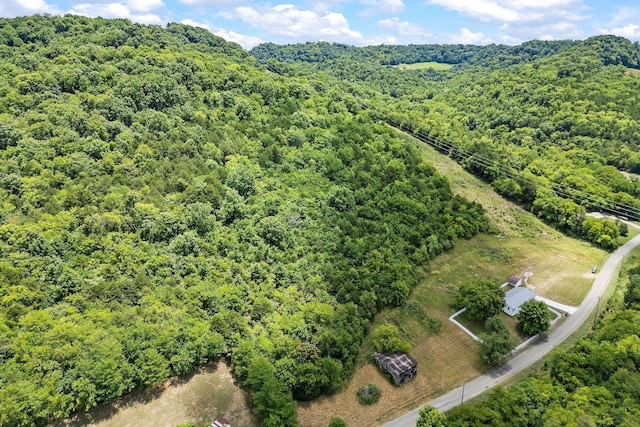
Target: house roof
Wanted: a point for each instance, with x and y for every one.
(517, 296)
(397, 362)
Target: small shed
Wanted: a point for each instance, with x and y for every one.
(515, 297)
(514, 281)
(401, 366)
(220, 422)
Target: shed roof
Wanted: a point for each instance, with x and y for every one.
(513, 280)
(397, 362)
(517, 296)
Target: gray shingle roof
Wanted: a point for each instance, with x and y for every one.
(396, 362)
(518, 296)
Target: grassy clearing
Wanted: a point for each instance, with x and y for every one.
(560, 267)
(438, 66)
(202, 397)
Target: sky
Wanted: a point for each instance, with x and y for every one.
(365, 22)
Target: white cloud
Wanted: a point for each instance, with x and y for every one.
(243, 40)
(538, 4)
(466, 36)
(624, 15)
(382, 6)
(515, 10)
(11, 8)
(403, 28)
(630, 31)
(115, 10)
(289, 21)
(484, 10)
(144, 5)
(542, 31)
(212, 2)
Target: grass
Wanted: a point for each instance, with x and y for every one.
(438, 66)
(202, 397)
(560, 267)
(511, 323)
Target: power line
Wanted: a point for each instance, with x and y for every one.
(576, 195)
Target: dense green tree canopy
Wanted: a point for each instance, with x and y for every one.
(165, 201)
(481, 298)
(496, 342)
(534, 317)
(549, 124)
(431, 417)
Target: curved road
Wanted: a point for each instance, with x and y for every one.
(481, 384)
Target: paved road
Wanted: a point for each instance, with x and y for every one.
(535, 352)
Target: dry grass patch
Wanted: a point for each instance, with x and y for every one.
(447, 353)
(202, 397)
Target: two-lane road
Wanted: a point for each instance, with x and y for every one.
(535, 352)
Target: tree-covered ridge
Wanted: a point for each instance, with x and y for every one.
(457, 54)
(550, 133)
(612, 50)
(166, 202)
(593, 383)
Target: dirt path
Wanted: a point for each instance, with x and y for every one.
(202, 397)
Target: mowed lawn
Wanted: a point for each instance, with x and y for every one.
(561, 270)
(438, 66)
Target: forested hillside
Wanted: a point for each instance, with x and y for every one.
(461, 55)
(165, 201)
(551, 131)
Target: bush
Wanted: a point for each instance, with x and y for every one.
(337, 422)
(386, 339)
(534, 317)
(368, 395)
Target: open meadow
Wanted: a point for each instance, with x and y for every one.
(438, 66)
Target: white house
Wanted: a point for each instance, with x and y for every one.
(515, 297)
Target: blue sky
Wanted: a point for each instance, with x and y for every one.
(366, 22)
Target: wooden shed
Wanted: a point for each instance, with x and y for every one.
(401, 366)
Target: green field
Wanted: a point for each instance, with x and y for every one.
(438, 66)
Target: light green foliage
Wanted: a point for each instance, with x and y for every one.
(534, 317)
(270, 397)
(386, 339)
(496, 343)
(482, 298)
(431, 417)
(369, 394)
(601, 231)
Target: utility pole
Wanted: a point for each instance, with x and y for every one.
(595, 317)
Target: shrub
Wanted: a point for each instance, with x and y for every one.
(368, 394)
(337, 422)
